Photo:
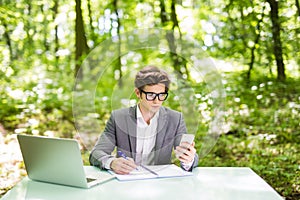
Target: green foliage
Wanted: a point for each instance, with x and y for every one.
(234, 28)
(35, 103)
(264, 132)
(262, 115)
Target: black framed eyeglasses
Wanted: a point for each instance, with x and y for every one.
(151, 96)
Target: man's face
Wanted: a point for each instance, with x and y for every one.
(147, 106)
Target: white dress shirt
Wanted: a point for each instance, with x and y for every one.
(146, 137)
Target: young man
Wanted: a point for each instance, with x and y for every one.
(146, 133)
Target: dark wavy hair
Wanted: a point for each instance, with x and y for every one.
(151, 75)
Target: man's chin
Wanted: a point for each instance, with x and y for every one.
(154, 109)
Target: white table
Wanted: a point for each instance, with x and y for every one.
(207, 183)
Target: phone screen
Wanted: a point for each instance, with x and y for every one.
(189, 138)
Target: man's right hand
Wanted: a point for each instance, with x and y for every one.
(123, 166)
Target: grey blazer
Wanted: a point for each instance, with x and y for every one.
(120, 132)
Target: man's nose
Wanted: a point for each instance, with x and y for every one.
(156, 100)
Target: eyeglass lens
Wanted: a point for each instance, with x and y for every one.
(151, 96)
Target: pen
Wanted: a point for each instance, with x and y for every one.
(146, 168)
(123, 155)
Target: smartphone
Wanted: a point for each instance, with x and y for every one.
(189, 138)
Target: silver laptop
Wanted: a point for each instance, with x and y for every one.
(59, 161)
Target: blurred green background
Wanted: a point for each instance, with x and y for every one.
(254, 45)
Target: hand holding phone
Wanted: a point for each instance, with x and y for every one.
(185, 152)
(189, 138)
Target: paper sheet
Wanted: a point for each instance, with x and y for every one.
(162, 171)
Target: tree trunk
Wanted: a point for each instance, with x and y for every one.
(8, 42)
(56, 47)
(81, 47)
(93, 35)
(45, 30)
(27, 27)
(298, 7)
(170, 36)
(276, 39)
(177, 61)
(251, 64)
(163, 12)
(118, 61)
(180, 62)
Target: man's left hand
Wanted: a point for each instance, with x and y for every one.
(185, 152)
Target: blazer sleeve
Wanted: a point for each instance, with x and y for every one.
(105, 144)
(176, 127)
(182, 129)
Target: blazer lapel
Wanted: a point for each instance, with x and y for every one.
(161, 128)
(131, 126)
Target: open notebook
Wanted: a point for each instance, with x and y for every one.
(153, 171)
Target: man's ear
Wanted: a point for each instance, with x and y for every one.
(137, 92)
